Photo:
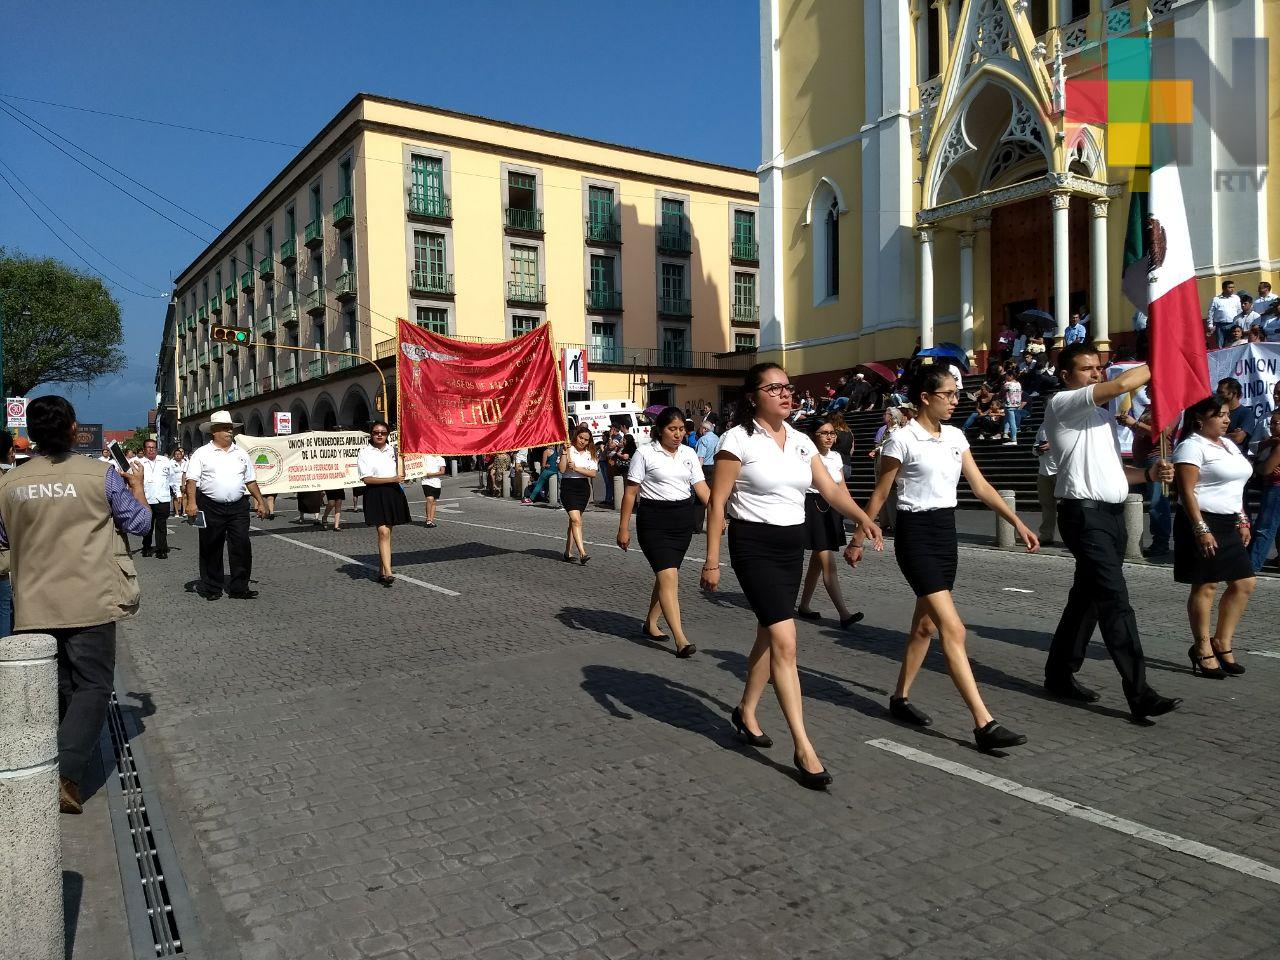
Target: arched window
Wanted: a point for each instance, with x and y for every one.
(822, 217)
(832, 251)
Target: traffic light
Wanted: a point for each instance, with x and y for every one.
(220, 334)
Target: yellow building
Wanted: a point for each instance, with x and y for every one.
(474, 228)
(920, 178)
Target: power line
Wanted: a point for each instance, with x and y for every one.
(36, 197)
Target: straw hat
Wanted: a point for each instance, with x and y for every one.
(220, 417)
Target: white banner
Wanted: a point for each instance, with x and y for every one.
(310, 462)
(1134, 404)
(1257, 367)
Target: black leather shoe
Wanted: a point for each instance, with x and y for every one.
(687, 651)
(209, 594)
(900, 708)
(808, 615)
(755, 740)
(146, 551)
(162, 555)
(1151, 704)
(995, 737)
(851, 619)
(243, 594)
(813, 781)
(656, 637)
(1068, 689)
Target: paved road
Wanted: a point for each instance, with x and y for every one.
(509, 772)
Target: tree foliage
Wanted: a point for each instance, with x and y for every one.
(73, 334)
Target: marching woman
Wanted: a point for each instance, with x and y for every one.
(578, 467)
(659, 481)
(763, 468)
(384, 502)
(824, 530)
(1211, 534)
(923, 461)
(433, 467)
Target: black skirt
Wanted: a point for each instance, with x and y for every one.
(431, 490)
(664, 529)
(925, 545)
(575, 493)
(768, 561)
(1229, 562)
(339, 494)
(823, 525)
(385, 505)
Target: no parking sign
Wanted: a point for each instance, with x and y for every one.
(16, 411)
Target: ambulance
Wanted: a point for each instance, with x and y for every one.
(599, 415)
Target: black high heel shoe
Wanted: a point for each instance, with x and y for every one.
(752, 739)
(813, 781)
(1199, 669)
(1232, 668)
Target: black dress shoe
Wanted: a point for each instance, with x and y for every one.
(687, 651)
(243, 594)
(755, 740)
(1151, 704)
(146, 551)
(162, 555)
(808, 615)
(851, 619)
(209, 594)
(813, 781)
(656, 637)
(1068, 689)
(995, 737)
(900, 708)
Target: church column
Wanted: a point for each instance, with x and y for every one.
(1061, 279)
(966, 293)
(1098, 275)
(926, 286)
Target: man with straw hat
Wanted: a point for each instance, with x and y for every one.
(218, 474)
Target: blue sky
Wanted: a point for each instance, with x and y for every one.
(678, 77)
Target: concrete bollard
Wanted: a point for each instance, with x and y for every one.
(453, 468)
(506, 485)
(619, 487)
(553, 490)
(1005, 538)
(1134, 509)
(30, 844)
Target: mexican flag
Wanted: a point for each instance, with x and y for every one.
(1159, 277)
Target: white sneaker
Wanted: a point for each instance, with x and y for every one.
(1009, 443)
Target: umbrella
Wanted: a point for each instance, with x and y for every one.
(877, 369)
(654, 409)
(947, 351)
(1043, 321)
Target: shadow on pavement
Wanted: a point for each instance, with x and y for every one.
(72, 892)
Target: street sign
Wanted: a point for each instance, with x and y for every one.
(16, 411)
(88, 439)
(223, 334)
(575, 370)
(282, 423)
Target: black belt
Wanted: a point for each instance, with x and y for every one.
(1103, 506)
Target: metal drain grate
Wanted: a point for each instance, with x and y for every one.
(150, 872)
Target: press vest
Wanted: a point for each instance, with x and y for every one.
(69, 565)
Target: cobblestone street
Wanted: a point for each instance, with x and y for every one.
(487, 761)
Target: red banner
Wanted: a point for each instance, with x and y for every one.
(457, 399)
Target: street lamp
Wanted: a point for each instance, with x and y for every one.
(25, 314)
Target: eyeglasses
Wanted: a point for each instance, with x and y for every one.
(825, 433)
(947, 394)
(380, 433)
(777, 389)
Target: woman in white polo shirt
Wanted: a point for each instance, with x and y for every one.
(384, 503)
(923, 461)
(763, 468)
(433, 470)
(1211, 534)
(824, 530)
(662, 480)
(578, 467)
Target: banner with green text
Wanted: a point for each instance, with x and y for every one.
(309, 462)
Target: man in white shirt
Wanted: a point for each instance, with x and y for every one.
(156, 471)
(1266, 304)
(1247, 317)
(1223, 310)
(217, 476)
(1091, 486)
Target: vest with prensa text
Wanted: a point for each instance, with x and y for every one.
(69, 565)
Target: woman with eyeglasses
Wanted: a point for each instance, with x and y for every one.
(763, 468)
(578, 467)
(824, 531)
(1211, 534)
(923, 461)
(662, 480)
(385, 505)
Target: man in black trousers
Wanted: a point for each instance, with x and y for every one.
(1091, 486)
(218, 474)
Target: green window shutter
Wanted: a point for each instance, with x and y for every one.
(744, 341)
(522, 325)
(672, 213)
(524, 264)
(744, 289)
(602, 274)
(600, 204)
(744, 226)
(435, 254)
(434, 319)
(521, 181)
(428, 180)
(421, 252)
(673, 280)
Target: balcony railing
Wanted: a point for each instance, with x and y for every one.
(600, 230)
(674, 307)
(604, 353)
(246, 281)
(266, 267)
(604, 300)
(343, 212)
(673, 240)
(315, 368)
(346, 363)
(676, 357)
(215, 304)
(230, 293)
(529, 221)
(437, 208)
(638, 358)
(288, 315)
(191, 321)
(248, 391)
(215, 352)
(386, 348)
(202, 314)
(746, 313)
(313, 302)
(526, 292)
(204, 355)
(267, 326)
(267, 383)
(231, 395)
(745, 250)
(289, 377)
(427, 281)
(313, 233)
(289, 252)
(344, 286)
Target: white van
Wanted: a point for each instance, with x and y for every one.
(599, 415)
